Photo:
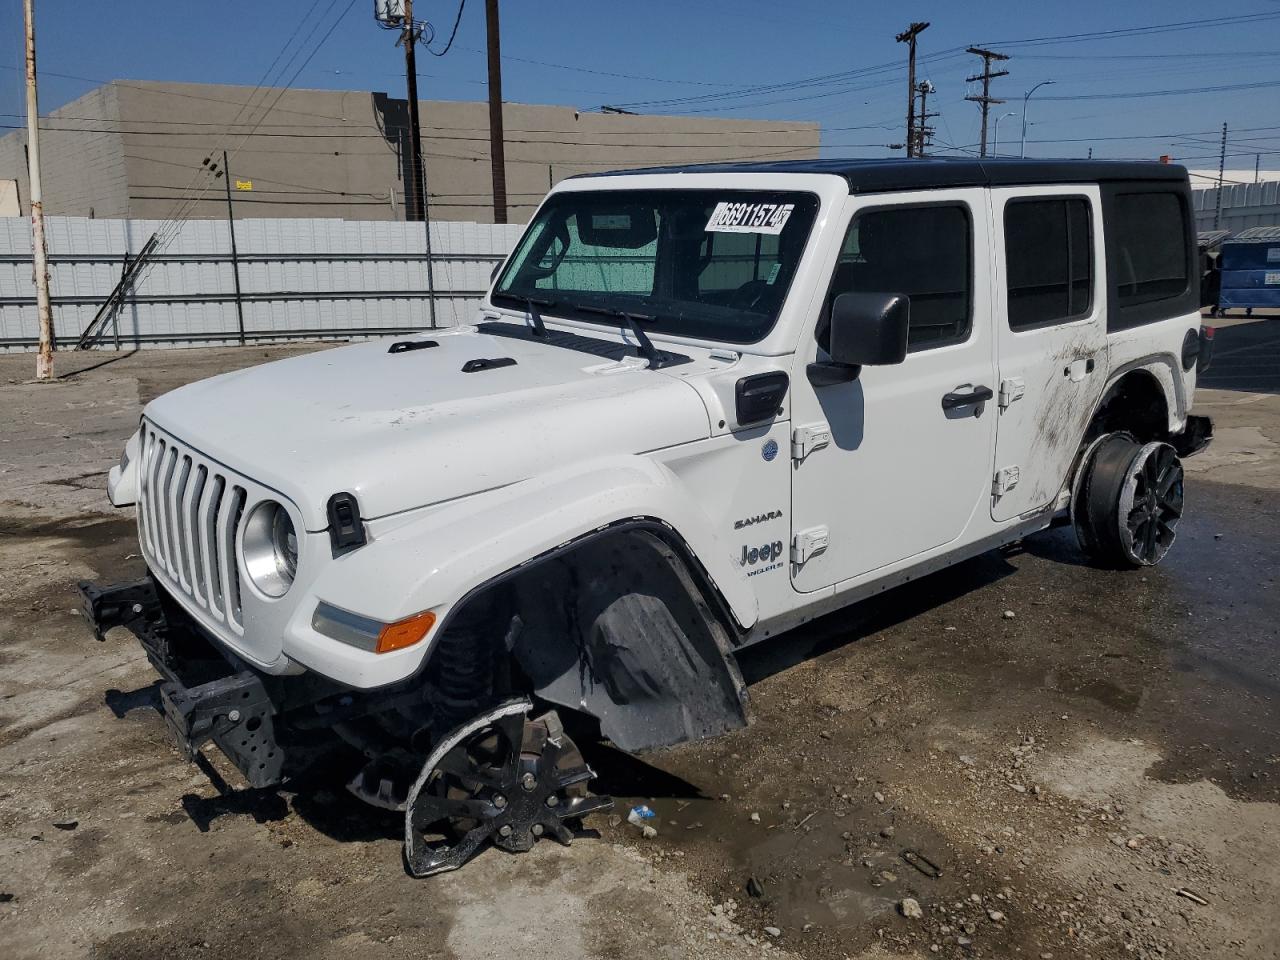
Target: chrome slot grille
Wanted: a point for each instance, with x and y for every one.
(188, 514)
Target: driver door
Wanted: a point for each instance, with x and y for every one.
(906, 462)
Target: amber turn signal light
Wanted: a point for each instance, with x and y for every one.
(404, 633)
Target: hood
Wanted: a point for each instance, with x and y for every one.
(408, 429)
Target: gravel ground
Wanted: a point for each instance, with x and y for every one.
(1020, 756)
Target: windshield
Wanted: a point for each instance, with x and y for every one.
(711, 264)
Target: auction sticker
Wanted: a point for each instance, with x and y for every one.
(729, 217)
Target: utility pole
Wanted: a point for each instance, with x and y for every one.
(39, 249)
(908, 37)
(497, 142)
(986, 100)
(924, 132)
(415, 194)
(1222, 166)
(235, 254)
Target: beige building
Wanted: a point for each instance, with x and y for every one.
(138, 149)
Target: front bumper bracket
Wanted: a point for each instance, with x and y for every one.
(204, 695)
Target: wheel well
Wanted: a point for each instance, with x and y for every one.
(1136, 403)
(621, 625)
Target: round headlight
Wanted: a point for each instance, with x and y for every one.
(270, 548)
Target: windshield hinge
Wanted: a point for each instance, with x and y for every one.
(1011, 389)
(809, 543)
(808, 438)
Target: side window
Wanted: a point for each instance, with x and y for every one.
(1149, 234)
(924, 252)
(1048, 261)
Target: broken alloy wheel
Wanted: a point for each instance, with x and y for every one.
(500, 777)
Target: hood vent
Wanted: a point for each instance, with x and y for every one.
(487, 363)
(404, 346)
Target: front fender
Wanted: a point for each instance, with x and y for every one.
(432, 561)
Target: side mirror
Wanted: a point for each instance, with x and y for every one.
(867, 329)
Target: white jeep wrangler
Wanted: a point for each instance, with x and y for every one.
(700, 406)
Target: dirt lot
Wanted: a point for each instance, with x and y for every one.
(1090, 759)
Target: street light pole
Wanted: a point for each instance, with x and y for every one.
(1024, 113)
(995, 143)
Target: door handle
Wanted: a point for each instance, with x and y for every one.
(954, 399)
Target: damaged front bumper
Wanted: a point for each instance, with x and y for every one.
(205, 696)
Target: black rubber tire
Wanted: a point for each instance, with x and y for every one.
(1129, 500)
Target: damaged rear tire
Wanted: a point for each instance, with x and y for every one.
(1128, 501)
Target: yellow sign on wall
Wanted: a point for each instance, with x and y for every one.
(244, 184)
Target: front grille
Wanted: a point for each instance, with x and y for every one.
(189, 510)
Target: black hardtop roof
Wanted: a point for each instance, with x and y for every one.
(871, 176)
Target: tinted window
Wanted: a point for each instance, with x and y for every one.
(1150, 261)
(923, 252)
(1048, 261)
(713, 264)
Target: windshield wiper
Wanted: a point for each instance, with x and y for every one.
(531, 305)
(632, 321)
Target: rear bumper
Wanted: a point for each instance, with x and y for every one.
(205, 696)
(1195, 436)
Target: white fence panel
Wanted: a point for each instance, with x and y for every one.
(299, 278)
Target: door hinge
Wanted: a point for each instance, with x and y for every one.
(1005, 480)
(810, 437)
(1011, 389)
(809, 543)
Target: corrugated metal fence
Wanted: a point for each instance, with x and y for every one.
(298, 279)
(1243, 205)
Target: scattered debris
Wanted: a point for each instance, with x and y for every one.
(773, 931)
(1192, 896)
(755, 888)
(755, 818)
(879, 796)
(648, 832)
(66, 824)
(910, 908)
(922, 863)
(1009, 614)
(7, 898)
(639, 815)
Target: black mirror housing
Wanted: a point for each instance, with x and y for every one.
(869, 329)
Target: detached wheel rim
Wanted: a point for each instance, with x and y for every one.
(1151, 503)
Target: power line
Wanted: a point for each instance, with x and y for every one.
(1144, 94)
(1146, 30)
(462, 5)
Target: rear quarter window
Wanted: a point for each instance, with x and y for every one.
(1150, 253)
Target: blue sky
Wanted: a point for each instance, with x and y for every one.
(586, 54)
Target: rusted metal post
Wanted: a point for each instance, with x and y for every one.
(39, 246)
(235, 254)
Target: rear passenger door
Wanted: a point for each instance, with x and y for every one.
(1051, 338)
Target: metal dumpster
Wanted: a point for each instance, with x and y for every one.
(1251, 270)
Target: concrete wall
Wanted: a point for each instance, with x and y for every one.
(300, 278)
(319, 153)
(82, 156)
